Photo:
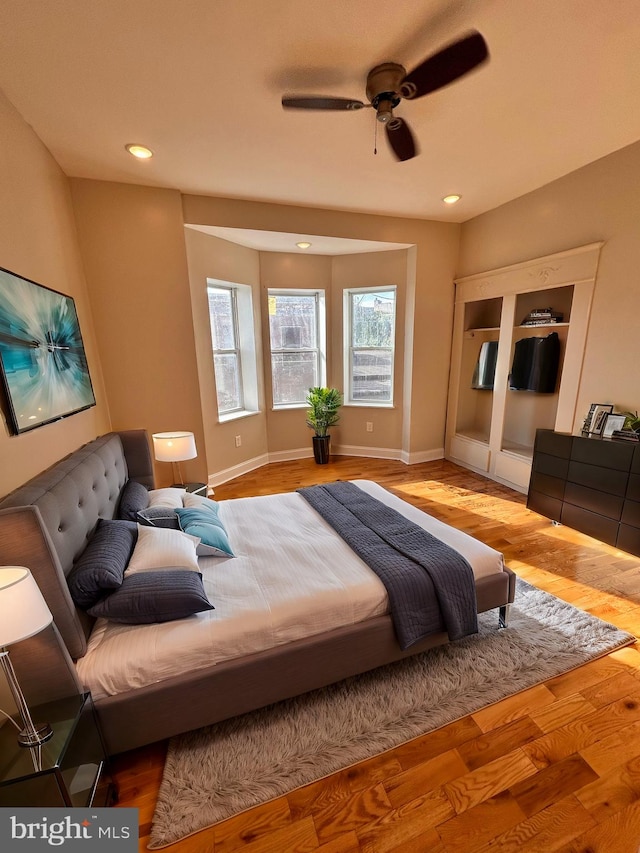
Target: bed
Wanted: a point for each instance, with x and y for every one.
(280, 626)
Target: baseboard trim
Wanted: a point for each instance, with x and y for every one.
(245, 467)
(371, 452)
(422, 456)
(249, 465)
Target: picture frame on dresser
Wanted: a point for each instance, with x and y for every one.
(612, 423)
(598, 413)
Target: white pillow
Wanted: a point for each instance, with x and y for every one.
(162, 548)
(191, 501)
(170, 498)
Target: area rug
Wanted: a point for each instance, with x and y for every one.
(224, 769)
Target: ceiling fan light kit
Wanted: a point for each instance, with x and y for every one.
(388, 84)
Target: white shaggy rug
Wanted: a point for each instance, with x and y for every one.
(224, 769)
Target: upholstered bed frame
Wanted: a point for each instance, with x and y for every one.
(46, 524)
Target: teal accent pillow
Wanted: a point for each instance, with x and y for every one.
(206, 525)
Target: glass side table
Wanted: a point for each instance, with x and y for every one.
(70, 769)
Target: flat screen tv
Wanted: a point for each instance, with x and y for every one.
(42, 359)
(485, 369)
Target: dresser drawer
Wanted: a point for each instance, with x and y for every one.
(552, 466)
(591, 523)
(594, 500)
(609, 454)
(633, 487)
(553, 443)
(549, 507)
(631, 513)
(596, 477)
(551, 486)
(629, 539)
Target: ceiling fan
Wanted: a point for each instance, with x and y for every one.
(389, 83)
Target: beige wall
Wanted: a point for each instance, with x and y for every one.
(435, 258)
(38, 241)
(210, 257)
(287, 428)
(598, 202)
(371, 270)
(133, 246)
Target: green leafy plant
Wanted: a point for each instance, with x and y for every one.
(632, 421)
(324, 405)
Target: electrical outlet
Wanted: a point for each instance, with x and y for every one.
(369, 426)
(238, 440)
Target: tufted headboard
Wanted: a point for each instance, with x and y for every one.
(46, 523)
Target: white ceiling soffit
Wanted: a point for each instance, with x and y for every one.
(201, 82)
(279, 241)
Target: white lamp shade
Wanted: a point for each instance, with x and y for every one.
(174, 446)
(23, 610)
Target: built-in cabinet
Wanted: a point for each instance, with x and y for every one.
(492, 429)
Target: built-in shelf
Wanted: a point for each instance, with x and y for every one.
(530, 326)
(483, 329)
(492, 428)
(474, 435)
(523, 450)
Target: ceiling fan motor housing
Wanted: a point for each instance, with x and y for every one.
(383, 89)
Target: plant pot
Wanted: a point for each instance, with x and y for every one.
(321, 448)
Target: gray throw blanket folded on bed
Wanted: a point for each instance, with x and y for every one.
(430, 585)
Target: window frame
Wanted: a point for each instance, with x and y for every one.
(350, 348)
(244, 348)
(320, 347)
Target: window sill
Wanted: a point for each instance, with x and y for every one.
(235, 416)
(285, 407)
(368, 404)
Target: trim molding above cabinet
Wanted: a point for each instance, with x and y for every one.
(491, 429)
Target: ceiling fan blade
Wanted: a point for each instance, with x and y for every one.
(444, 67)
(298, 102)
(401, 139)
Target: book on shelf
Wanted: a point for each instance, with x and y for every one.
(626, 434)
(542, 317)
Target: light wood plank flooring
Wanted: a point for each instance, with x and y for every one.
(555, 768)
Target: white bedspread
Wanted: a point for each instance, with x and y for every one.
(292, 577)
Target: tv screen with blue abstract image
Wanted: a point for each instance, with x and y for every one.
(42, 358)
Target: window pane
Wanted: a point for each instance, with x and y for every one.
(227, 381)
(372, 318)
(221, 316)
(293, 374)
(371, 373)
(292, 321)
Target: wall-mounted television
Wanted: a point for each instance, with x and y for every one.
(43, 365)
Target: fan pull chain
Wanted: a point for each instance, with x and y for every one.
(375, 137)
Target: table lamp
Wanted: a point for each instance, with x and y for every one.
(174, 447)
(23, 614)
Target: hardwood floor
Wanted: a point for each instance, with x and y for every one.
(555, 768)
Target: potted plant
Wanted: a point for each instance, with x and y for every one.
(324, 404)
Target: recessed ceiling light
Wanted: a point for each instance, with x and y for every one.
(303, 244)
(451, 199)
(139, 151)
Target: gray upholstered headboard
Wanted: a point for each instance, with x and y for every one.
(46, 523)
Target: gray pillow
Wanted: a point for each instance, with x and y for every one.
(100, 567)
(148, 597)
(133, 497)
(158, 516)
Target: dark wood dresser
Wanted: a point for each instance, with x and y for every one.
(589, 483)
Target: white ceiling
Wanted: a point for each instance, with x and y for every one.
(200, 82)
